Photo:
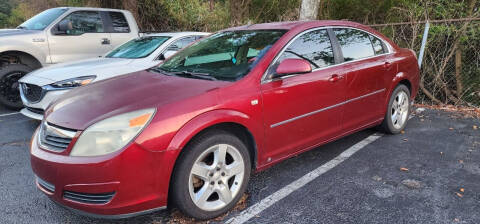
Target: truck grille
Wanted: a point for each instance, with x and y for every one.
(88, 198)
(32, 93)
(55, 138)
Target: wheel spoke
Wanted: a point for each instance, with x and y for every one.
(221, 153)
(224, 193)
(405, 105)
(202, 195)
(235, 168)
(394, 118)
(400, 99)
(395, 105)
(201, 170)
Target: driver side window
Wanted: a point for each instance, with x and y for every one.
(314, 47)
(85, 22)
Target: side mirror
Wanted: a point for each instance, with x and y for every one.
(291, 66)
(64, 26)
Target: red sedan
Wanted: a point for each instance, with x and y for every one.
(190, 131)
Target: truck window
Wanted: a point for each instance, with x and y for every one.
(119, 22)
(85, 22)
(42, 20)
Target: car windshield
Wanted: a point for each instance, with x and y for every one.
(138, 48)
(42, 20)
(228, 55)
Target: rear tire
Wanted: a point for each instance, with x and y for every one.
(206, 182)
(398, 111)
(9, 91)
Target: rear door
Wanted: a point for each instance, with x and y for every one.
(364, 81)
(87, 39)
(305, 109)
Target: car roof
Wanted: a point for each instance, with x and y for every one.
(298, 24)
(177, 34)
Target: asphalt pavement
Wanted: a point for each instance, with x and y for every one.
(429, 174)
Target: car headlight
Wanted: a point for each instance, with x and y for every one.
(74, 82)
(111, 134)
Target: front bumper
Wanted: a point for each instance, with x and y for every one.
(135, 177)
(36, 108)
(32, 113)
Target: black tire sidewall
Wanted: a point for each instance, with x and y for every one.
(387, 124)
(179, 188)
(5, 70)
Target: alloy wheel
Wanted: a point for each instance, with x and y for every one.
(216, 177)
(399, 109)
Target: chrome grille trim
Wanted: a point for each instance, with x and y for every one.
(45, 185)
(88, 198)
(55, 138)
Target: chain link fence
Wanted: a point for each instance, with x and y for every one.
(450, 71)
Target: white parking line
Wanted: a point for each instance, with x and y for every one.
(4, 115)
(295, 185)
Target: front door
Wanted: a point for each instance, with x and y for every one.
(305, 109)
(87, 39)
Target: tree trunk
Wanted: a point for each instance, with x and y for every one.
(458, 72)
(309, 9)
(211, 5)
(458, 56)
(239, 11)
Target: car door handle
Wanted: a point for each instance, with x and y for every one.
(105, 41)
(387, 65)
(335, 78)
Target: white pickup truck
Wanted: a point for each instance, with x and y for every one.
(59, 35)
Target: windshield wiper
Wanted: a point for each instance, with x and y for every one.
(185, 74)
(21, 27)
(194, 75)
(159, 70)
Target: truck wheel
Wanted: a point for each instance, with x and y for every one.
(211, 175)
(9, 91)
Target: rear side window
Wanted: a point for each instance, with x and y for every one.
(378, 46)
(314, 46)
(179, 44)
(355, 44)
(119, 22)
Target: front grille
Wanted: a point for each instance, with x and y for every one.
(36, 110)
(55, 138)
(32, 93)
(88, 198)
(45, 185)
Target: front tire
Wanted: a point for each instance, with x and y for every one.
(9, 91)
(398, 111)
(211, 175)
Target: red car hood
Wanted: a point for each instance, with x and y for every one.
(89, 104)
